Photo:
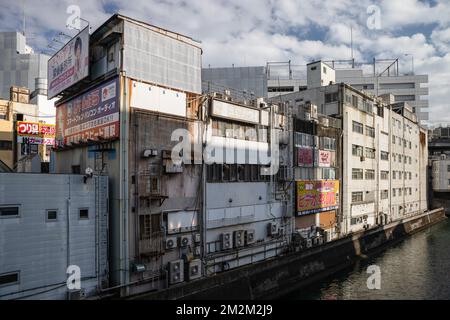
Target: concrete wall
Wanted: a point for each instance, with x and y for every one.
(41, 250)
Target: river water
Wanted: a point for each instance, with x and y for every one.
(416, 268)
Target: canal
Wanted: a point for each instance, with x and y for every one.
(416, 268)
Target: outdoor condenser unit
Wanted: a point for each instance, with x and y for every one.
(238, 238)
(176, 271)
(272, 229)
(194, 270)
(250, 237)
(171, 243)
(226, 241)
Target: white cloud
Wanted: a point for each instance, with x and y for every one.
(251, 32)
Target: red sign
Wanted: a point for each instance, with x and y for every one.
(317, 196)
(305, 156)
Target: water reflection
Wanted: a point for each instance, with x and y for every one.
(416, 268)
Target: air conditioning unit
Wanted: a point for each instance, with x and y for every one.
(363, 158)
(324, 122)
(309, 243)
(307, 116)
(272, 229)
(184, 241)
(239, 238)
(171, 167)
(176, 272)
(171, 243)
(197, 238)
(76, 294)
(281, 231)
(194, 270)
(149, 153)
(226, 241)
(250, 237)
(197, 251)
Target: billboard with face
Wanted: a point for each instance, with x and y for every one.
(69, 65)
(91, 116)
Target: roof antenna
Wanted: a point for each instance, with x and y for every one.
(351, 46)
(23, 10)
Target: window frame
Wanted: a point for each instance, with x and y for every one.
(79, 213)
(51, 220)
(10, 283)
(18, 206)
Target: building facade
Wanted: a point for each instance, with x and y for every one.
(19, 65)
(41, 236)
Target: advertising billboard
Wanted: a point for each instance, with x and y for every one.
(35, 133)
(324, 158)
(305, 157)
(93, 115)
(317, 196)
(69, 65)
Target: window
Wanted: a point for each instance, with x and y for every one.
(84, 214)
(324, 70)
(448, 168)
(410, 146)
(327, 143)
(410, 191)
(8, 279)
(409, 160)
(384, 194)
(358, 127)
(393, 139)
(384, 155)
(384, 175)
(52, 215)
(357, 196)
(370, 153)
(393, 174)
(394, 192)
(370, 131)
(357, 150)
(399, 158)
(399, 191)
(328, 173)
(355, 101)
(357, 174)
(370, 174)
(331, 97)
(9, 211)
(410, 176)
(76, 169)
(5, 145)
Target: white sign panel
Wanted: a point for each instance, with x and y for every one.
(234, 112)
(69, 65)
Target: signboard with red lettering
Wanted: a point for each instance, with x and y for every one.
(69, 65)
(305, 157)
(317, 196)
(35, 133)
(324, 158)
(91, 116)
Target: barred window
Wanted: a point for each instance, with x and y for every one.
(384, 194)
(370, 131)
(358, 127)
(370, 174)
(384, 155)
(384, 175)
(370, 153)
(357, 196)
(357, 150)
(357, 174)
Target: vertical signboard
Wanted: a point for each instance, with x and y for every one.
(305, 157)
(91, 116)
(317, 196)
(324, 158)
(69, 65)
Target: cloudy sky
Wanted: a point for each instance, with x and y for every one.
(252, 32)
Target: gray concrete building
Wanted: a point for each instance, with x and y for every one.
(19, 65)
(41, 236)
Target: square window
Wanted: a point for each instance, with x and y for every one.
(84, 214)
(52, 215)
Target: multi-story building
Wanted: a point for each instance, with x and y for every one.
(409, 87)
(17, 153)
(205, 216)
(19, 65)
(46, 240)
(384, 154)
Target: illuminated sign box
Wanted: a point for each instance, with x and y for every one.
(317, 196)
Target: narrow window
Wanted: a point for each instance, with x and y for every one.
(9, 211)
(52, 215)
(8, 279)
(84, 214)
